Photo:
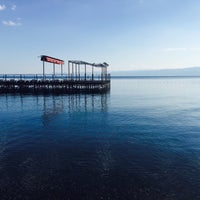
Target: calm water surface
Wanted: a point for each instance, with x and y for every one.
(140, 141)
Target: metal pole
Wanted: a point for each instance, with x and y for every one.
(61, 70)
(68, 70)
(85, 71)
(72, 70)
(79, 71)
(75, 71)
(54, 70)
(92, 72)
(43, 71)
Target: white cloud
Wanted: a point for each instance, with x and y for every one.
(2, 7)
(13, 7)
(11, 23)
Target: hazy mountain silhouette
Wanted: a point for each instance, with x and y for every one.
(192, 71)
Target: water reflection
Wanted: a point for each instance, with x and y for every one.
(56, 105)
(84, 147)
(53, 106)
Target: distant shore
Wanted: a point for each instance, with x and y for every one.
(182, 72)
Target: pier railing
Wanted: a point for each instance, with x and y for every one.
(54, 77)
(59, 84)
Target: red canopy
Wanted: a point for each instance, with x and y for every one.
(52, 60)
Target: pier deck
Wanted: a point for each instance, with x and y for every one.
(53, 84)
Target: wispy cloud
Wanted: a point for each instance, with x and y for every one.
(13, 7)
(2, 7)
(11, 23)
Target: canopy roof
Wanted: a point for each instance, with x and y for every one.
(79, 62)
(52, 60)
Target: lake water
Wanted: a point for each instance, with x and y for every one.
(140, 141)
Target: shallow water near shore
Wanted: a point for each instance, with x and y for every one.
(140, 141)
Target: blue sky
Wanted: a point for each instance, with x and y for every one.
(127, 34)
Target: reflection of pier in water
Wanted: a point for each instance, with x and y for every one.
(56, 105)
(64, 116)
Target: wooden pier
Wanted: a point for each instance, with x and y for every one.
(54, 86)
(79, 79)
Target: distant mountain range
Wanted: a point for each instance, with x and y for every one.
(192, 71)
